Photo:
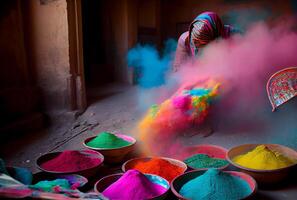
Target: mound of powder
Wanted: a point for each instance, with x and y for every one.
(263, 158)
(133, 185)
(72, 161)
(159, 167)
(204, 161)
(49, 186)
(107, 140)
(215, 184)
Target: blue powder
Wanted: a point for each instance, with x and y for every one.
(215, 184)
(198, 92)
(151, 66)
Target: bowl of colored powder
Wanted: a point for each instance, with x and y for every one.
(133, 185)
(167, 168)
(213, 184)
(83, 162)
(206, 156)
(267, 163)
(113, 146)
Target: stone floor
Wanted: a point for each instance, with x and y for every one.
(115, 108)
(111, 109)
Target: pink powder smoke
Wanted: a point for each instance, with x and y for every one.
(244, 63)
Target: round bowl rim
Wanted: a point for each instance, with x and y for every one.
(259, 170)
(177, 194)
(103, 149)
(121, 174)
(211, 145)
(185, 166)
(68, 172)
(104, 177)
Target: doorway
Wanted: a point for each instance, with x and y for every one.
(96, 27)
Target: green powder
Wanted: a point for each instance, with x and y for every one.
(154, 110)
(204, 161)
(107, 140)
(215, 185)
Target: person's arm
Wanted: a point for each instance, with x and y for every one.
(232, 30)
(181, 53)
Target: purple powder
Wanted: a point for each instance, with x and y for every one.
(133, 185)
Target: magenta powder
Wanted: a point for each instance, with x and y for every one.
(72, 161)
(133, 185)
(182, 102)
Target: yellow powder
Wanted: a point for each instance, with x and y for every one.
(263, 158)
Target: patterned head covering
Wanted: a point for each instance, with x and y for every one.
(206, 27)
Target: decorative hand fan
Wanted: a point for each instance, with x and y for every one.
(282, 86)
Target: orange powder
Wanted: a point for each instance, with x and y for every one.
(159, 167)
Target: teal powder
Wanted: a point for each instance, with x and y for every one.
(199, 92)
(48, 186)
(204, 161)
(107, 140)
(215, 184)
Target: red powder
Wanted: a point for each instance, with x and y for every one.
(72, 161)
(159, 167)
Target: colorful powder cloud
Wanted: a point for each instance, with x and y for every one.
(243, 64)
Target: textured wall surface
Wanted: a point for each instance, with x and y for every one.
(47, 44)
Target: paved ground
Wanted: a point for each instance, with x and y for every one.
(111, 109)
(115, 108)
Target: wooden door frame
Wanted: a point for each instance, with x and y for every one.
(76, 81)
